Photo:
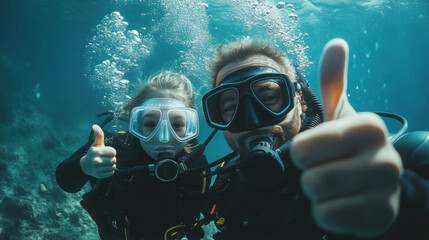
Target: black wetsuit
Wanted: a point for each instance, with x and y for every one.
(246, 211)
(141, 206)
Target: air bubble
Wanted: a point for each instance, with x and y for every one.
(205, 5)
(293, 16)
(280, 5)
(125, 82)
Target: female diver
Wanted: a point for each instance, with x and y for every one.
(137, 191)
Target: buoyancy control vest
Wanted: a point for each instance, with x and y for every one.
(131, 207)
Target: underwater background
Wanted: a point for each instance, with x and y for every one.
(63, 62)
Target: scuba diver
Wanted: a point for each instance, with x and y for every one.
(306, 170)
(138, 186)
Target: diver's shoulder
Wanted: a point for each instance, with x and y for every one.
(413, 148)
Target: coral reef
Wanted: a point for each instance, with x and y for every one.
(32, 206)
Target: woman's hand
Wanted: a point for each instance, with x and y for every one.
(100, 161)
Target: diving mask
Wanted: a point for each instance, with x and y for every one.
(250, 98)
(163, 119)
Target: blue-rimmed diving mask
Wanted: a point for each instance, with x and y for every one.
(250, 98)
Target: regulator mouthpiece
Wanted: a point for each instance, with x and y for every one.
(166, 169)
(262, 165)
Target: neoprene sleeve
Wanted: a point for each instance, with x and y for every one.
(413, 218)
(69, 175)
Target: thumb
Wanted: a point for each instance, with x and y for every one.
(333, 80)
(99, 136)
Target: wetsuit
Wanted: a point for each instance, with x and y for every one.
(246, 211)
(136, 207)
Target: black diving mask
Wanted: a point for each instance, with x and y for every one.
(250, 98)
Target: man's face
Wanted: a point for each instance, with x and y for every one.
(281, 132)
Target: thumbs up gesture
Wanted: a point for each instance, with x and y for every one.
(100, 161)
(350, 170)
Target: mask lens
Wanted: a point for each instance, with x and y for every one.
(183, 123)
(149, 121)
(272, 93)
(222, 106)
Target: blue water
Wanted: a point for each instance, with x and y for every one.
(48, 100)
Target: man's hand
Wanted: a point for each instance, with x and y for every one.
(350, 169)
(100, 161)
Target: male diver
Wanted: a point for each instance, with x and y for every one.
(295, 178)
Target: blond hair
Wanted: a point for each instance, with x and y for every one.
(243, 49)
(171, 84)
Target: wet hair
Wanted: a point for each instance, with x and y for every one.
(243, 49)
(174, 85)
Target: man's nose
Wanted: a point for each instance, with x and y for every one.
(251, 118)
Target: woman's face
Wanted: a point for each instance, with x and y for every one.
(162, 123)
(175, 118)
